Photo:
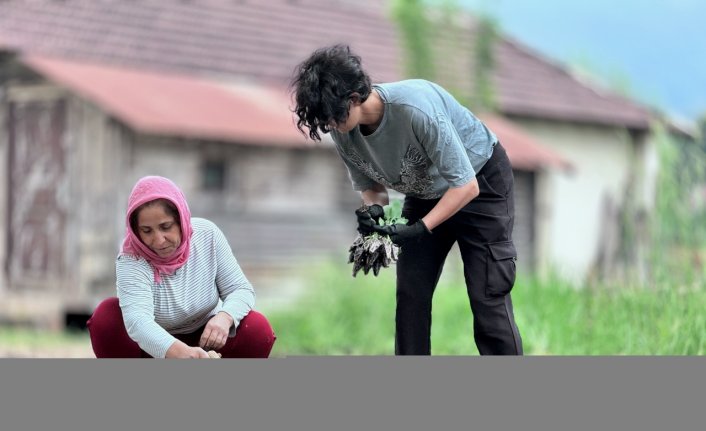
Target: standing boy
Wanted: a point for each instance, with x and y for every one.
(414, 137)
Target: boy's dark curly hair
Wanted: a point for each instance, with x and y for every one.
(323, 87)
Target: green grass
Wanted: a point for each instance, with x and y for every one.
(341, 315)
(560, 320)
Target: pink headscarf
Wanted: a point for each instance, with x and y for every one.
(148, 189)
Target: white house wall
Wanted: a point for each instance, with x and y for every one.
(4, 144)
(570, 206)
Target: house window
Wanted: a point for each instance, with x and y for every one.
(213, 175)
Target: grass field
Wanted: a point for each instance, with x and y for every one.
(341, 315)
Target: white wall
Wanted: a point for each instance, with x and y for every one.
(570, 207)
(648, 157)
(3, 189)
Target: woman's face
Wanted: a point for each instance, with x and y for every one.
(158, 230)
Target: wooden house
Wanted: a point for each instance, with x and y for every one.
(94, 95)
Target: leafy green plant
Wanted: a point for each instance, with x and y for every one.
(678, 233)
(376, 251)
(484, 64)
(393, 213)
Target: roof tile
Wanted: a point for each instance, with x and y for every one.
(265, 39)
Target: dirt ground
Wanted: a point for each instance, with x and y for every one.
(62, 351)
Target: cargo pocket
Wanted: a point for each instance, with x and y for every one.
(500, 268)
(486, 189)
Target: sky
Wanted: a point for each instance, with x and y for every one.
(653, 49)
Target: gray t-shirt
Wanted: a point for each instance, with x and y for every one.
(425, 143)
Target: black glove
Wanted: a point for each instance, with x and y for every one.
(367, 218)
(402, 234)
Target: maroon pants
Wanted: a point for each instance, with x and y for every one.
(254, 336)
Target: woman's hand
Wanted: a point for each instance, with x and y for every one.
(216, 331)
(180, 350)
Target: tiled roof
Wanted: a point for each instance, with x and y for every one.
(530, 85)
(264, 39)
(183, 106)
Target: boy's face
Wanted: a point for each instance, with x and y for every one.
(351, 121)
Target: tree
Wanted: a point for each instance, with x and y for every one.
(415, 29)
(434, 38)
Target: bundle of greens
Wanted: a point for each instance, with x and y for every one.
(375, 251)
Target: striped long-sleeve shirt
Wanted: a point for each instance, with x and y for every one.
(210, 281)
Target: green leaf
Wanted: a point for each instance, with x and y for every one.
(393, 212)
(388, 212)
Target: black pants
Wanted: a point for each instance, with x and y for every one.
(483, 230)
